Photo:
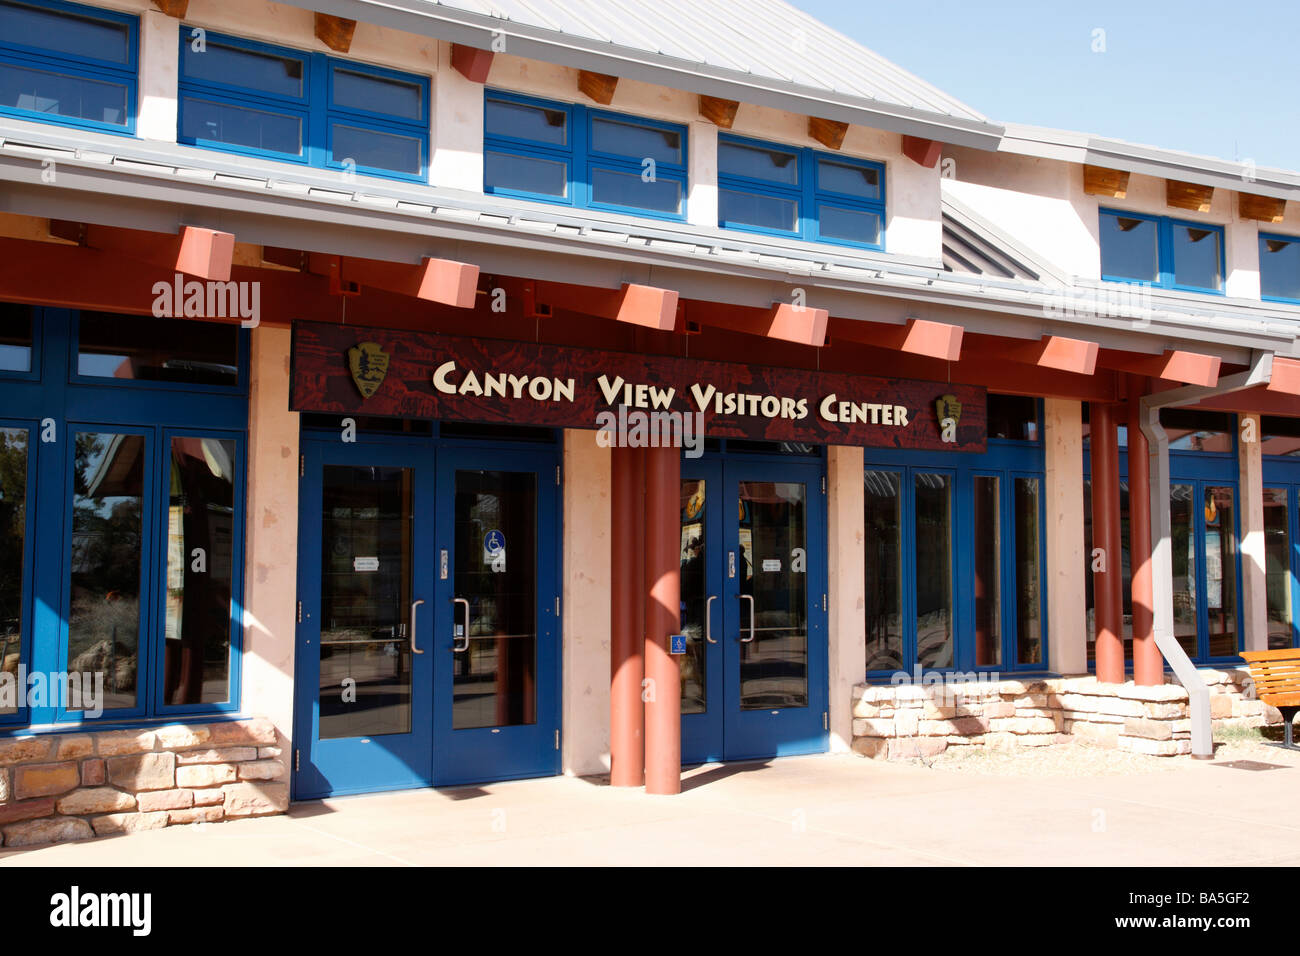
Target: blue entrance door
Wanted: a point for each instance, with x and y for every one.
(496, 644)
(428, 640)
(753, 595)
(365, 632)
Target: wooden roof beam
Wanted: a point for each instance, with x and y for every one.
(830, 133)
(471, 62)
(643, 305)
(597, 86)
(335, 32)
(1260, 208)
(444, 281)
(802, 325)
(194, 251)
(1099, 181)
(923, 152)
(1191, 196)
(719, 112)
(1173, 365)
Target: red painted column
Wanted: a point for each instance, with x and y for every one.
(663, 565)
(1108, 584)
(1148, 665)
(627, 613)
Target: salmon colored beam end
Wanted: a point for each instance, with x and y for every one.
(1069, 355)
(649, 307)
(205, 253)
(801, 324)
(448, 282)
(933, 339)
(1191, 368)
(1286, 376)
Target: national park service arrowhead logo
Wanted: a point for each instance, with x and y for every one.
(947, 406)
(369, 365)
(948, 409)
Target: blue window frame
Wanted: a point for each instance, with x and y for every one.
(802, 193)
(135, 471)
(69, 64)
(260, 100)
(1279, 267)
(1163, 252)
(956, 572)
(565, 153)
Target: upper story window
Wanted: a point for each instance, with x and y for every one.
(802, 193)
(308, 108)
(65, 63)
(1279, 267)
(1167, 253)
(566, 153)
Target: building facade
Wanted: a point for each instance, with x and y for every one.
(396, 395)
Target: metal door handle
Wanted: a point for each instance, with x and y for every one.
(750, 599)
(708, 619)
(455, 648)
(415, 606)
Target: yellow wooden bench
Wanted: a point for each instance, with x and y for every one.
(1277, 683)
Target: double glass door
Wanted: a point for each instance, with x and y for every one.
(428, 640)
(753, 580)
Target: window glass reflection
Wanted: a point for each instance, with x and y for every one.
(884, 566)
(200, 565)
(987, 560)
(1220, 570)
(157, 350)
(694, 583)
(104, 572)
(1029, 605)
(933, 494)
(13, 538)
(1183, 541)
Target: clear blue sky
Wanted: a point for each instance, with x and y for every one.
(1216, 79)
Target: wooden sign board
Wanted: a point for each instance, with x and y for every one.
(403, 374)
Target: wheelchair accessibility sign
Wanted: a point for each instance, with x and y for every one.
(676, 643)
(494, 551)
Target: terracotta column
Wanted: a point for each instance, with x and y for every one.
(1108, 583)
(1148, 664)
(627, 618)
(663, 696)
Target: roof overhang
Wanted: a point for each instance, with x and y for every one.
(477, 30)
(1082, 148)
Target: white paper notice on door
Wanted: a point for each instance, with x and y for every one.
(365, 563)
(771, 564)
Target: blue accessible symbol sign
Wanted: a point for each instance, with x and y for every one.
(677, 644)
(494, 551)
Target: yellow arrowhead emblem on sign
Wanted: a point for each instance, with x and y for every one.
(369, 365)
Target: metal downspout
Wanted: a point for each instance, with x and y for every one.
(1162, 576)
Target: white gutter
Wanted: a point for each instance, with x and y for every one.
(1162, 570)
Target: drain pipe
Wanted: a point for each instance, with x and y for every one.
(1162, 570)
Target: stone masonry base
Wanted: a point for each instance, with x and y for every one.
(923, 720)
(58, 787)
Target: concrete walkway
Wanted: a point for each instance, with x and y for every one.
(833, 810)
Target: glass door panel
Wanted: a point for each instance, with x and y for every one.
(774, 634)
(365, 634)
(988, 571)
(773, 595)
(1277, 566)
(496, 644)
(495, 659)
(884, 565)
(365, 651)
(1183, 547)
(1220, 570)
(696, 607)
